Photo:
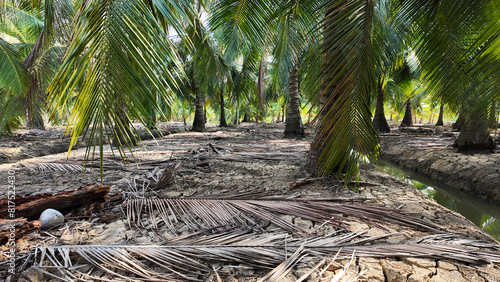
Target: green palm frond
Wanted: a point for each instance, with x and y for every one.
(115, 44)
(345, 134)
(22, 23)
(12, 75)
(241, 24)
(58, 17)
(10, 108)
(244, 80)
(13, 82)
(454, 45)
(174, 13)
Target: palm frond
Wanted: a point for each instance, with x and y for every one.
(20, 22)
(12, 75)
(205, 213)
(167, 175)
(241, 24)
(115, 45)
(10, 108)
(345, 133)
(56, 166)
(195, 262)
(455, 41)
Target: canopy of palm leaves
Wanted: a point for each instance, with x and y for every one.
(119, 58)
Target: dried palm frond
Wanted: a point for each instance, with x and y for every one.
(56, 166)
(281, 271)
(205, 213)
(195, 262)
(250, 157)
(457, 239)
(167, 175)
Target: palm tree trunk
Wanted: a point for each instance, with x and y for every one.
(199, 113)
(33, 110)
(474, 135)
(293, 126)
(459, 123)
(222, 122)
(407, 120)
(379, 121)
(440, 121)
(122, 128)
(152, 114)
(34, 118)
(246, 118)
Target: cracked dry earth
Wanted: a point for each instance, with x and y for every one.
(252, 159)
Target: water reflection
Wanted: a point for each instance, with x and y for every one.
(483, 214)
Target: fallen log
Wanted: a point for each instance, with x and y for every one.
(15, 229)
(35, 205)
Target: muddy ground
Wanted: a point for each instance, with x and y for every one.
(245, 160)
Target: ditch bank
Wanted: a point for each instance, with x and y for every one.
(429, 152)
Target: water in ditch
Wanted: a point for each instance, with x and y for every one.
(483, 214)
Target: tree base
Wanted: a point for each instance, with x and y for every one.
(380, 125)
(295, 133)
(198, 128)
(467, 145)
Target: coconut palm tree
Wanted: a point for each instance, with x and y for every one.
(119, 54)
(388, 41)
(120, 51)
(32, 52)
(458, 52)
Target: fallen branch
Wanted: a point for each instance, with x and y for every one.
(213, 148)
(17, 228)
(301, 182)
(31, 207)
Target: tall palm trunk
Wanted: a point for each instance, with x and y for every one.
(199, 113)
(440, 121)
(222, 122)
(34, 118)
(293, 127)
(152, 114)
(237, 116)
(33, 96)
(474, 135)
(379, 121)
(407, 120)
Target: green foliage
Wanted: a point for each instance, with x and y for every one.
(116, 56)
(348, 79)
